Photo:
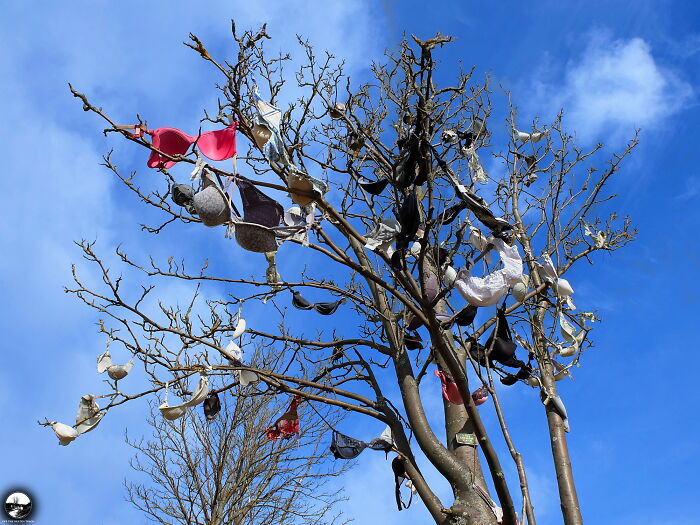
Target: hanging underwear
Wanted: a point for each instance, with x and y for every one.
(488, 290)
(346, 447)
(480, 395)
(301, 303)
(449, 388)
(478, 207)
(258, 208)
(399, 468)
(212, 406)
(466, 316)
(374, 187)
(215, 145)
(451, 213)
(409, 219)
(412, 341)
(503, 349)
(288, 424)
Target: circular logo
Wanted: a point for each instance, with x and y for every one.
(18, 506)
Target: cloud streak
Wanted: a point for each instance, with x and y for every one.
(614, 87)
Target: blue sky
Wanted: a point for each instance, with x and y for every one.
(613, 66)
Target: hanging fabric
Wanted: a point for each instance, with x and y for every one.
(480, 209)
(479, 175)
(466, 315)
(346, 447)
(384, 442)
(260, 214)
(503, 348)
(535, 136)
(211, 203)
(173, 412)
(570, 336)
(87, 418)
(549, 274)
(64, 433)
(399, 469)
(374, 187)
(383, 235)
(267, 129)
(479, 241)
(449, 388)
(287, 426)
(489, 290)
(183, 195)
(409, 218)
(480, 395)
(476, 351)
(558, 406)
(500, 346)
(431, 285)
(240, 327)
(301, 303)
(215, 145)
(259, 208)
(116, 372)
(89, 414)
(306, 186)
(245, 377)
(450, 214)
(412, 341)
(211, 406)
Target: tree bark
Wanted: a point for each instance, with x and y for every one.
(474, 509)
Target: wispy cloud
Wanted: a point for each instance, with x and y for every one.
(692, 189)
(612, 88)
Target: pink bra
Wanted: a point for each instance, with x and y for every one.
(215, 145)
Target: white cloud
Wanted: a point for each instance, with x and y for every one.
(692, 188)
(614, 87)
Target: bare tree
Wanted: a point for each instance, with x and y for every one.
(396, 199)
(220, 468)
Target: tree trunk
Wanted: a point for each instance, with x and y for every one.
(468, 502)
(560, 453)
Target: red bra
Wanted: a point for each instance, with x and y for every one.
(215, 145)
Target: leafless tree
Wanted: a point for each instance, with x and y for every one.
(226, 471)
(422, 142)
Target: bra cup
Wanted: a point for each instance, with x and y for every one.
(346, 447)
(432, 287)
(255, 238)
(219, 144)
(259, 208)
(212, 206)
(414, 323)
(212, 406)
(509, 380)
(375, 187)
(300, 302)
(327, 308)
(466, 316)
(182, 194)
(172, 413)
(171, 141)
(64, 433)
(502, 350)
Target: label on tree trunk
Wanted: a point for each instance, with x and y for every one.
(464, 438)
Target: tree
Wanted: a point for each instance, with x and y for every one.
(220, 469)
(396, 200)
